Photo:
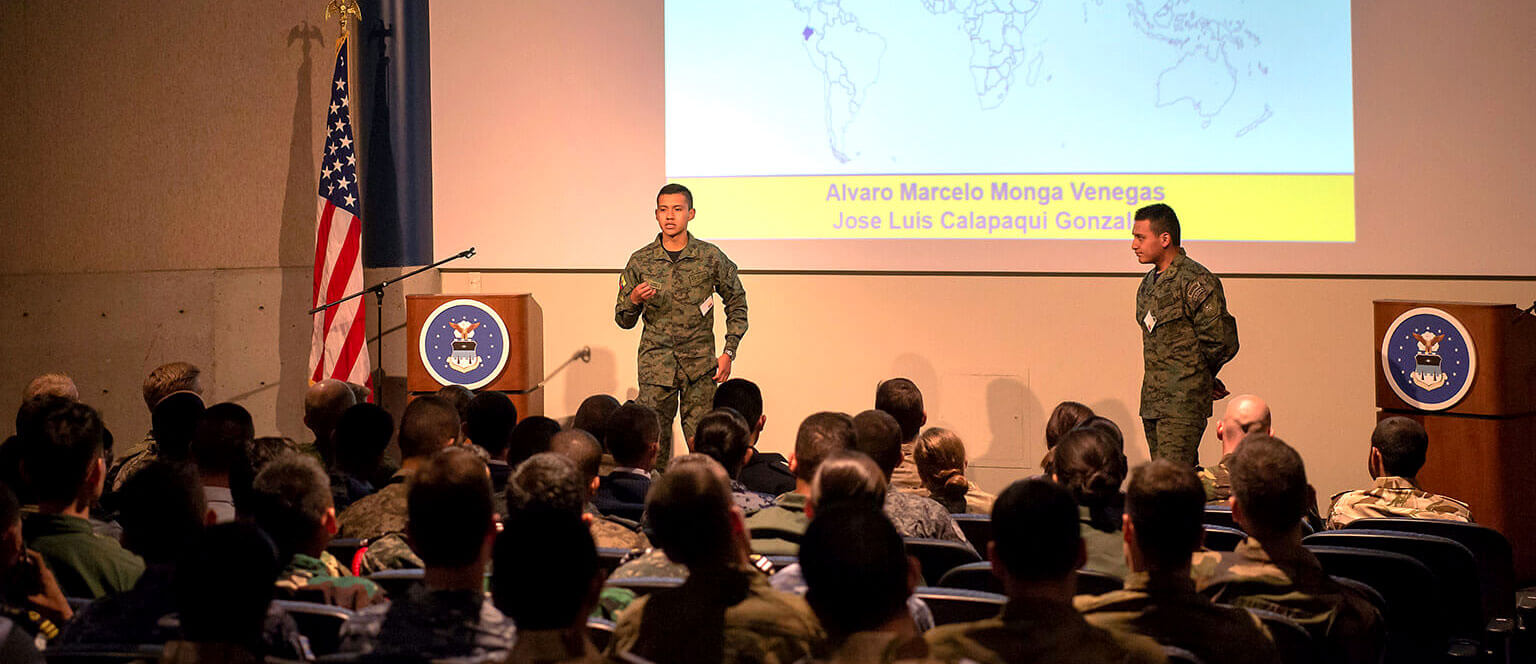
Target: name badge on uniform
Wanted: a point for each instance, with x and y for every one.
(1150, 320)
(706, 305)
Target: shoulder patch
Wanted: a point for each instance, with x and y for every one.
(1196, 291)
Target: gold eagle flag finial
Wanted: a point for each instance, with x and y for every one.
(343, 8)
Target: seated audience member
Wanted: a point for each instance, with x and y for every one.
(1164, 509)
(877, 434)
(63, 461)
(224, 616)
(940, 457)
(29, 418)
(162, 512)
(1066, 416)
(173, 423)
(634, 438)
(900, 398)
(1272, 570)
(1398, 446)
(592, 417)
(548, 588)
(218, 443)
(722, 435)
(531, 436)
(764, 472)
(324, 403)
(165, 380)
(362, 434)
(429, 424)
(583, 449)
(1245, 414)
(1090, 465)
(489, 420)
(1036, 551)
(31, 604)
(453, 529)
(551, 482)
(819, 436)
(52, 384)
(459, 397)
(292, 499)
(725, 611)
(859, 579)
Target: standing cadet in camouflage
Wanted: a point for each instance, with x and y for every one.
(1398, 446)
(671, 283)
(1187, 335)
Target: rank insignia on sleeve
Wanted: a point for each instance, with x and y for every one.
(1196, 292)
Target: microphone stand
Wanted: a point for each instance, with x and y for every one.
(378, 310)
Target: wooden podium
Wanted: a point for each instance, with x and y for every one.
(1482, 447)
(520, 322)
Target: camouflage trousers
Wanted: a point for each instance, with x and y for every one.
(695, 396)
(1175, 438)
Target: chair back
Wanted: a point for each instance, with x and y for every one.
(977, 529)
(972, 576)
(1220, 515)
(320, 623)
(938, 556)
(609, 558)
(600, 631)
(1291, 639)
(1223, 538)
(1180, 656)
(952, 605)
(345, 549)
(87, 654)
(1460, 592)
(1489, 547)
(1409, 590)
(397, 582)
(645, 585)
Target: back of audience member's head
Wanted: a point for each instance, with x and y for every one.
(856, 570)
(55, 384)
(361, 437)
(878, 434)
(258, 453)
(1165, 505)
(292, 502)
(62, 459)
(449, 509)
(592, 416)
(901, 398)
(546, 482)
(29, 425)
(11, 541)
(549, 584)
(633, 433)
(1269, 487)
(744, 397)
(940, 458)
(691, 512)
(847, 477)
(173, 422)
(1065, 417)
(170, 378)
(162, 510)
(1402, 444)
(582, 448)
(224, 583)
(488, 422)
(459, 397)
(324, 402)
(1091, 466)
(819, 436)
(1035, 531)
(222, 435)
(427, 425)
(531, 436)
(725, 436)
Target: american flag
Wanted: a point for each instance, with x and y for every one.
(338, 348)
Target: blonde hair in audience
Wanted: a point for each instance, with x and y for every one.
(170, 378)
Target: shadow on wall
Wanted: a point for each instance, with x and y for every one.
(1010, 406)
(296, 237)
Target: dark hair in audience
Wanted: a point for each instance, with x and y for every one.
(819, 436)
(173, 422)
(592, 416)
(58, 457)
(632, 430)
(291, 496)
(581, 448)
(1107, 428)
(1402, 443)
(10, 507)
(940, 458)
(1167, 507)
(690, 511)
(29, 426)
(901, 398)
(848, 477)
(220, 438)
(1065, 417)
(877, 434)
(546, 482)
(1163, 221)
(162, 508)
(1091, 466)
(218, 606)
(531, 436)
(675, 188)
(544, 585)
(426, 427)
(457, 396)
(362, 434)
(855, 567)
(742, 396)
(1035, 530)
(725, 436)
(488, 421)
(449, 508)
(1269, 483)
(168, 379)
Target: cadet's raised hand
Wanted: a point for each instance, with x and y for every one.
(643, 292)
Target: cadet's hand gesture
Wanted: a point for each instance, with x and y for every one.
(723, 371)
(643, 292)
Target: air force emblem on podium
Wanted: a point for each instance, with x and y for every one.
(1428, 358)
(464, 343)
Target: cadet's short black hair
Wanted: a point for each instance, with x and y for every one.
(290, 497)
(1403, 443)
(173, 421)
(449, 508)
(1269, 483)
(877, 434)
(543, 585)
(57, 458)
(819, 436)
(675, 188)
(362, 434)
(457, 396)
(690, 511)
(426, 426)
(724, 436)
(531, 436)
(631, 431)
(901, 398)
(1163, 220)
(488, 421)
(221, 437)
(216, 605)
(744, 397)
(581, 448)
(855, 567)
(161, 508)
(1035, 530)
(848, 477)
(546, 482)
(592, 416)
(1167, 507)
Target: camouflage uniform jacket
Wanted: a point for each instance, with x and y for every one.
(609, 534)
(389, 552)
(916, 516)
(131, 460)
(1217, 480)
(748, 500)
(677, 334)
(905, 476)
(1395, 497)
(1032, 630)
(324, 580)
(376, 515)
(787, 515)
(652, 564)
(1186, 336)
(1167, 609)
(451, 625)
